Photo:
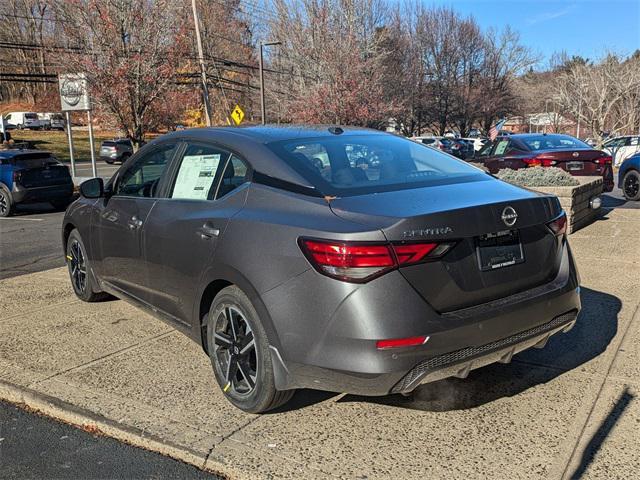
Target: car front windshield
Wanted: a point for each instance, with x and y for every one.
(553, 142)
(356, 164)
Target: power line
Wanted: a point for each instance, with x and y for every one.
(58, 20)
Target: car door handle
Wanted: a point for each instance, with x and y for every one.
(134, 223)
(208, 231)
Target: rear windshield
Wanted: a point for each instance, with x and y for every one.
(352, 165)
(33, 161)
(553, 142)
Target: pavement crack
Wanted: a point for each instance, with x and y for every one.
(578, 441)
(105, 357)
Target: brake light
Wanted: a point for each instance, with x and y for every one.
(401, 342)
(558, 225)
(360, 262)
(539, 162)
(606, 160)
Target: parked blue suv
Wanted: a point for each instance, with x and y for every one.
(629, 177)
(28, 176)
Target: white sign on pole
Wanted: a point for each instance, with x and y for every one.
(74, 94)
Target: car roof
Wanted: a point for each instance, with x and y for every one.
(273, 133)
(17, 152)
(250, 142)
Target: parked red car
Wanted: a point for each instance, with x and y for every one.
(547, 150)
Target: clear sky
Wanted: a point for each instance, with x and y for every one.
(588, 28)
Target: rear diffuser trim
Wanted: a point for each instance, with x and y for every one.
(461, 362)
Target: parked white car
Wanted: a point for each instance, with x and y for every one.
(24, 120)
(52, 120)
(431, 141)
(478, 142)
(621, 148)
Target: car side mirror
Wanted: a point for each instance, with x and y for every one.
(93, 188)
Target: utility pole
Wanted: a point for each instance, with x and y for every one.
(260, 66)
(203, 71)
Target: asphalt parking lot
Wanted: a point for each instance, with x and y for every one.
(568, 411)
(32, 446)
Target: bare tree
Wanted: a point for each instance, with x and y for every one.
(26, 26)
(333, 54)
(505, 58)
(603, 96)
(131, 51)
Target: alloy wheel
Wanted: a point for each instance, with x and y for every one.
(235, 351)
(4, 205)
(77, 266)
(631, 186)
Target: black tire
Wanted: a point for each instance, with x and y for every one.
(239, 353)
(631, 185)
(6, 202)
(61, 204)
(80, 274)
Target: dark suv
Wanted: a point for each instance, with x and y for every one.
(28, 176)
(116, 150)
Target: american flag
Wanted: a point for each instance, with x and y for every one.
(493, 132)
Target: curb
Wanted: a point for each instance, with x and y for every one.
(95, 423)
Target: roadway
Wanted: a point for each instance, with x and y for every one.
(32, 446)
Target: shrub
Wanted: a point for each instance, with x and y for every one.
(538, 177)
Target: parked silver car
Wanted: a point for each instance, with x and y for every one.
(116, 150)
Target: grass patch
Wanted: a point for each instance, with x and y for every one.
(56, 142)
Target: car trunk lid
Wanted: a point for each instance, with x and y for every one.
(465, 214)
(576, 162)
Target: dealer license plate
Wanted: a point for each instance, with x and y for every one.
(498, 250)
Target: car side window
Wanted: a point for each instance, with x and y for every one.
(485, 151)
(235, 174)
(142, 177)
(199, 169)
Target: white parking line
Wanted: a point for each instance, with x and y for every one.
(21, 218)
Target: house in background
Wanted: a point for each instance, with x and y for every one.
(545, 122)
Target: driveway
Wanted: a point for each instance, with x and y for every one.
(568, 411)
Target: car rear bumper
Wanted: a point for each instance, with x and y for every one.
(42, 194)
(343, 356)
(461, 362)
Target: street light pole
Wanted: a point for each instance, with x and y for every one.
(260, 67)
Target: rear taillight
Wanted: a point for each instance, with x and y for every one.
(539, 162)
(401, 342)
(360, 262)
(558, 225)
(603, 160)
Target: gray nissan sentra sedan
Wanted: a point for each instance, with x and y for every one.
(333, 258)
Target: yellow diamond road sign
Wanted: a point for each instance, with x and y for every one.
(237, 115)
